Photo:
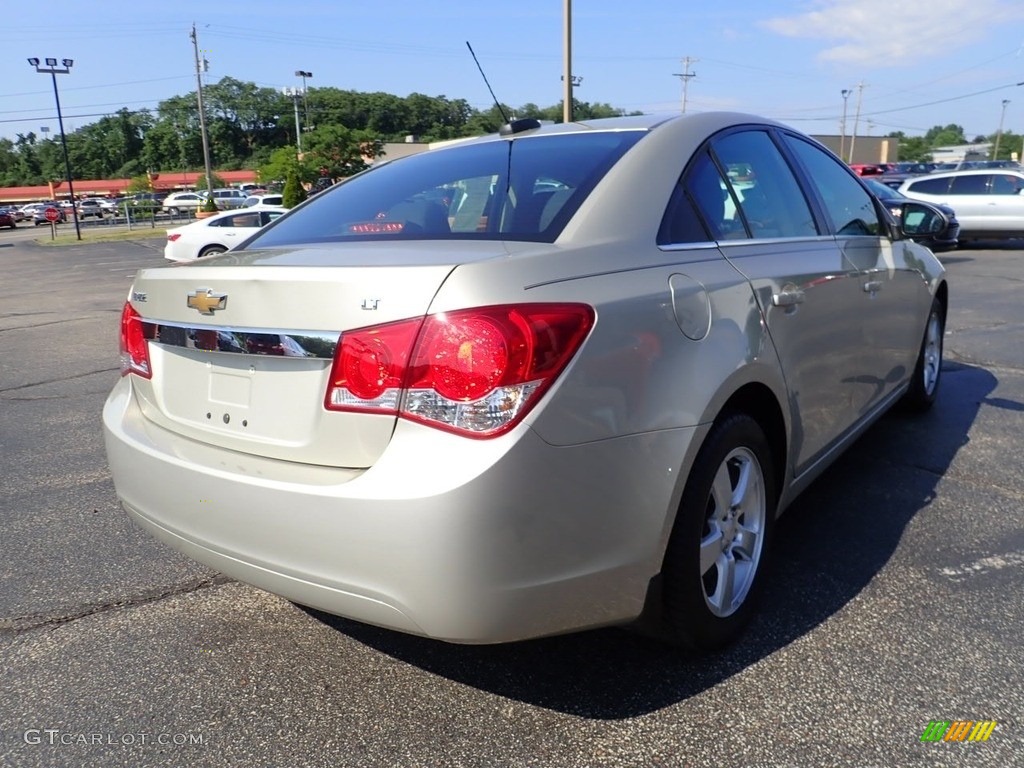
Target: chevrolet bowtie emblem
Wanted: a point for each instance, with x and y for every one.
(206, 301)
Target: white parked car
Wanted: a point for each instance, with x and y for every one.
(989, 202)
(177, 202)
(216, 234)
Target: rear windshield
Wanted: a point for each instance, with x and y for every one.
(525, 189)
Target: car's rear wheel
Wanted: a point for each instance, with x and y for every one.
(210, 250)
(924, 386)
(716, 557)
(172, 211)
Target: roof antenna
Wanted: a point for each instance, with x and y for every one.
(510, 126)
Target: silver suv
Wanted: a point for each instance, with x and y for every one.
(228, 198)
(988, 202)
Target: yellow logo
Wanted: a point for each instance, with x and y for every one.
(206, 301)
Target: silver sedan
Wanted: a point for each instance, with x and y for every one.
(561, 377)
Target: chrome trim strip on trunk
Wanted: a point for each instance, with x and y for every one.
(243, 341)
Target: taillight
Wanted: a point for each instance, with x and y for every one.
(476, 372)
(134, 346)
(172, 238)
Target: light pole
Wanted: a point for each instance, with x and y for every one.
(53, 70)
(305, 106)
(200, 66)
(842, 127)
(294, 93)
(999, 133)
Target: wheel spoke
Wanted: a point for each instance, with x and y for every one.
(742, 494)
(726, 586)
(710, 549)
(721, 492)
(745, 542)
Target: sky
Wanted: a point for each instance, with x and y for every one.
(907, 65)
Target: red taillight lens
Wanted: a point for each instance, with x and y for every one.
(134, 346)
(474, 372)
(369, 365)
(464, 358)
(172, 238)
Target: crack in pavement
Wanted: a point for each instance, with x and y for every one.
(953, 356)
(20, 624)
(57, 380)
(56, 322)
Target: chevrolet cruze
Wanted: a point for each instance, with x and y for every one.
(561, 377)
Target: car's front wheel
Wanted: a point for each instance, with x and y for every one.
(924, 386)
(716, 556)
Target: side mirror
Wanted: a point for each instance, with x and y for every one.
(920, 220)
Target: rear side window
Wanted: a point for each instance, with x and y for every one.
(970, 185)
(522, 189)
(739, 187)
(696, 212)
(938, 186)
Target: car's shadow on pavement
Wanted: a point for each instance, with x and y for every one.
(829, 546)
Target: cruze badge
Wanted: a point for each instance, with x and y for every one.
(206, 301)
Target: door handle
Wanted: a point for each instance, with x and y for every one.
(872, 286)
(788, 298)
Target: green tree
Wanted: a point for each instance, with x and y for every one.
(341, 151)
(281, 162)
(218, 182)
(294, 193)
(950, 135)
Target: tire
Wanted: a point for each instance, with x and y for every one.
(172, 211)
(924, 385)
(211, 250)
(717, 553)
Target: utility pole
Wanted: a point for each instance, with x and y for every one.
(842, 127)
(202, 112)
(856, 119)
(294, 93)
(567, 64)
(685, 76)
(999, 133)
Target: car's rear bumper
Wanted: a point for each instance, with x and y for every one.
(462, 540)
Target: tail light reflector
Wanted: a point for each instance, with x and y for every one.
(135, 334)
(172, 238)
(474, 372)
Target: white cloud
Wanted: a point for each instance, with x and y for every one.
(884, 33)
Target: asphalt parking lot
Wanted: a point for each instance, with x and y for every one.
(895, 597)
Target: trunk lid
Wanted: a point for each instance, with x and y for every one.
(244, 342)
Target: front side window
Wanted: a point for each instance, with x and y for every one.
(1006, 184)
(850, 207)
(520, 189)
